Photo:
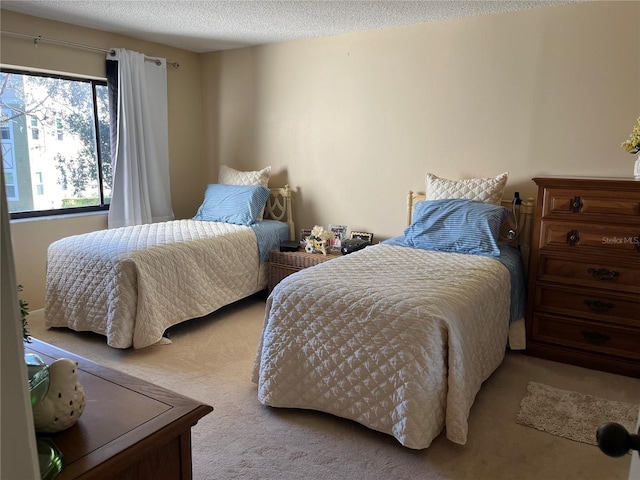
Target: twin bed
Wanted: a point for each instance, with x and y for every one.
(400, 336)
(131, 284)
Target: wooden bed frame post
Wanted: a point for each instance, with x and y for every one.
(278, 207)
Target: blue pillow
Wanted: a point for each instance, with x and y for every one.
(238, 204)
(456, 225)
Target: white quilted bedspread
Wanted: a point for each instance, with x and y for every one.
(395, 338)
(132, 283)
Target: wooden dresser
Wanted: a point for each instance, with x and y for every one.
(584, 276)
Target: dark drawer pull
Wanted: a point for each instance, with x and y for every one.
(576, 205)
(603, 273)
(598, 305)
(573, 237)
(596, 338)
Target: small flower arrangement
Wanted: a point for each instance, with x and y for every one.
(318, 241)
(632, 145)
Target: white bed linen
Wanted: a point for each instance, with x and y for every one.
(395, 338)
(132, 283)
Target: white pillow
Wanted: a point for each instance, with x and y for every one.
(487, 190)
(230, 176)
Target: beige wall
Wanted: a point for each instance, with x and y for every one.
(186, 131)
(354, 121)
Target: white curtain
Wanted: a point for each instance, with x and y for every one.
(141, 191)
(18, 441)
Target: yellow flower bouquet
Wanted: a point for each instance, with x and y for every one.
(632, 145)
(318, 241)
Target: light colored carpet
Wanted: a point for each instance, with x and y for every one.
(572, 415)
(211, 359)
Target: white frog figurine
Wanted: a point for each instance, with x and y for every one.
(64, 402)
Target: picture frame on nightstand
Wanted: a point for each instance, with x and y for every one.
(338, 234)
(363, 235)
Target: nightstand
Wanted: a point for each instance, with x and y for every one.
(283, 264)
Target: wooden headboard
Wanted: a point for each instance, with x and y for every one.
(523, 237)
(279, 208)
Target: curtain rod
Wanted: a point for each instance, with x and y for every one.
(39, 38)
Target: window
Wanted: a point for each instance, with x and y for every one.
(44, 176)
(35, 131)
(59, 132)
(10, 185)
(8, 157)
(39, 185)
(5, 128)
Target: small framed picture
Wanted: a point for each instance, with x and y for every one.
(338, 234)
(304, 233)
(364, 236)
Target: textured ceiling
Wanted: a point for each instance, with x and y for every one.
(205, 26)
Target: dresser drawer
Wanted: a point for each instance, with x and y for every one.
(613, 205)
(589, 303)
(591, 238)
(595, 272)
(592, 336)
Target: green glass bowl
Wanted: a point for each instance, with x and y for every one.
(38, 377)
(49, 458)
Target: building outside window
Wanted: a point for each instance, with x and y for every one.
(44, 176)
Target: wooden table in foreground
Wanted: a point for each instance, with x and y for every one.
(130, 429)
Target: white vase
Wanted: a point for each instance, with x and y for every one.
(636, 169)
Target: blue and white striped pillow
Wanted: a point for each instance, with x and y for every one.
(238, 204)
(456, 225)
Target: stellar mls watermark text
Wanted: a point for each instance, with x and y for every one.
(620, 240)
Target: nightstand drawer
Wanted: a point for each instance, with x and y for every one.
(591, 336)
(591, 238)
(589, 303)
(596, 272)
(561, 202)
